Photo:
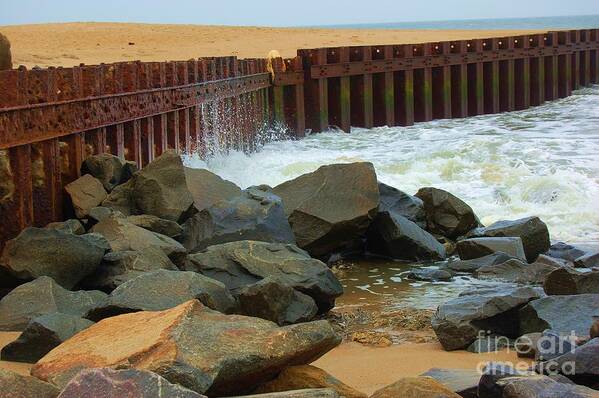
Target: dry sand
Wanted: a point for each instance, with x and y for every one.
(70, 44)
(364, 368)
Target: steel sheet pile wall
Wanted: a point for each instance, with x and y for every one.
(371, 86)
(51, 119)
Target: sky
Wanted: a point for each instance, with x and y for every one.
(282, 13)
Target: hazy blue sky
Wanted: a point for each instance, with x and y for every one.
(282, 13)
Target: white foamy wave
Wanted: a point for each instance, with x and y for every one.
(543, 161)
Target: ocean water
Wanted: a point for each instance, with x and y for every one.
(543, 161)
(544, 23)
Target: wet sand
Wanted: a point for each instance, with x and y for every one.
(367, 369)
(70, 44)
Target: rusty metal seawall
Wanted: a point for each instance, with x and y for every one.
(51, 119)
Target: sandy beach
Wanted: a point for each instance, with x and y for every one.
(71, 44)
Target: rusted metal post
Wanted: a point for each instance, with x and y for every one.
(368, 92)
(459, 81)
(344, 93)
(408, 91)
(551, 67)
(445, 47)
(477, 90)
(300, 114)
(586, 64)
(389, 93)
(595, 56)
(491, 77)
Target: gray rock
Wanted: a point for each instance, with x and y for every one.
(130, 383)
(556, 262)
(44, 296)
(552, 345)
(491, 343)
(13, 385)
(207, 188)
(239, 264)
(65, 257)
(397, 237)
(124, 236)
(469, 249)
(446, 214)
(516, 271)
(476, 263)
(101, 213)
(430, 274)
(541, 387)
(110, 170)
(562, 314)
(564, 251)
(590, 260)
(569, 281)
(155, 224)
(161, 290)
(531, 230)
(160, 189)
(43, 334)
(331, 208)
(71, 226)
(119, 267)
(489, 385)
(527, 345)
(462, 381)
(85, 193)
(254, 215)
(193, 346)
(581, 365)
(121, 199)
(458, 322)
(306, 393)
(274, 301)
(395, 201)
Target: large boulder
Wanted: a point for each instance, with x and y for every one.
(160, 189)
(119, 267)
(590, 260)
(5, 54)
(276, 302)
(581, 364)
(44, 296)
(41, 335)
(110, 170)
(65, 257)
(156, 224)
(121, 199)
(308, 377)
(469, 249)
(124, 236)
(393, 235)
(463, 382)
(564, 251)
(568, 281)
(395, 201)
(477, 263)
(85, 193)
(561, 314)
(493, 373)
(430, 274)
(207, 188)
(331, 208)
(516, 271)
(446, 214)
(191, 345)
(457, 323)
(536, 386)
(415, 387)
(130, 383)
(256, 214)
(161, 290)
(531, 230)
(240, 264)
(13, 385)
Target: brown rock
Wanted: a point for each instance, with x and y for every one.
(130, 383)
(110, 170)
(13, 385)
(86, 193)
(191, 345)
(309, 393)
(567, 280)
(305, 377)
(208, 189)
(594, 332)
(415, 387)
(5, 55)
